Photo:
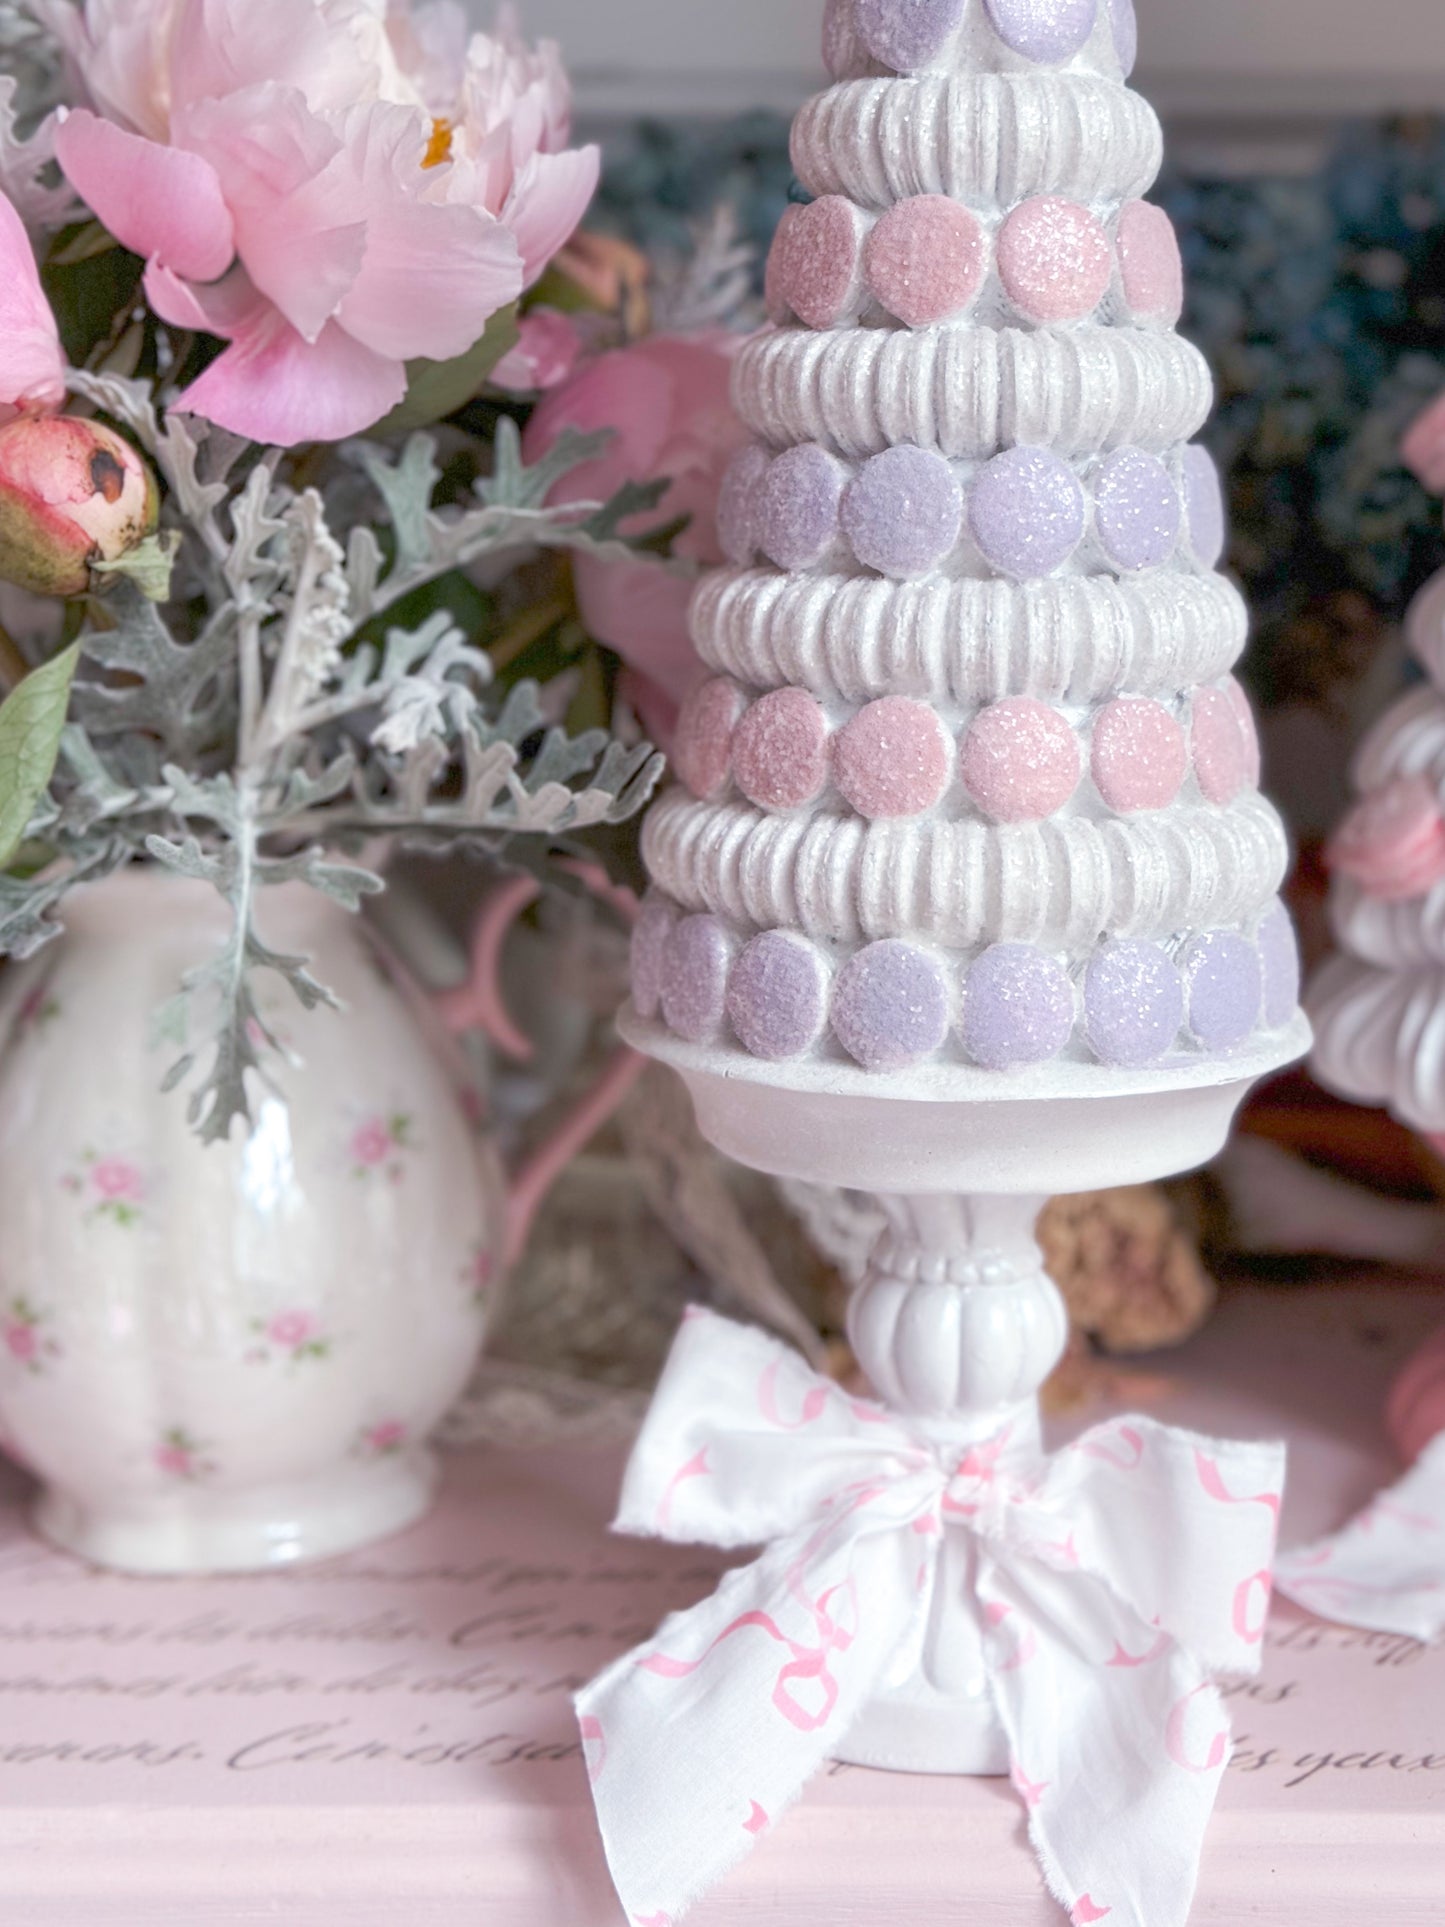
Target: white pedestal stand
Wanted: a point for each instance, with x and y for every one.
(957, 1324)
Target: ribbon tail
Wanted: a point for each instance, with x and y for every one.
(1118, 1737)
(698, 1740)
(1386, 1570)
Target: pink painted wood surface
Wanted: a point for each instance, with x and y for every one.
(387, 1738)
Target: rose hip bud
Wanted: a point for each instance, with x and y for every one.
(72, 494)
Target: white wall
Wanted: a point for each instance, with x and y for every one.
(1231, 57)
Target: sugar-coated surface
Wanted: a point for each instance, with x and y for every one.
(650, 933)
(904, 511)
(1139, 756)
(694, 976)
(739, 532)
(1204, 506)
(1136, 509)
(925, 259)
(905, 34)
(1133, 1004)
(1221, 754)
(1018, 1007)
(815, 262)
(1393, 843)
(1224, 984)
(780, 750)
(1125, 24)
(798, 506)
(1247, 729)
(1149, 263)
(893, 758)
(1020, 760)
(1044, 30)
(1054, 259)
(702, 743)
(1280, 959)
(1026, 511)
(777, 997)
(891, 1005)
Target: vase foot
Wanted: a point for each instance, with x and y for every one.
(201, 1530)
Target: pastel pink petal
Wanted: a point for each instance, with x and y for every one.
(433, 274)
(32, 368)
(640, 610)
(223, 46)
(299, 212)
(221, 308)
(272, 386)
(1423, 447)
(155, 200)
(548, 199)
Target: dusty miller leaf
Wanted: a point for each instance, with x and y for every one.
(31, 720)
(177, 692)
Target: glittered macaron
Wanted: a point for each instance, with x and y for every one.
(1279, 954)
(815, 268)
(654, 925)
(1137, 512)
(925, 259)
(1139, 757)
(1124, 25)
(798, 504)
(1026, 512)
(1393, 843)
(1018, 1008)
(1218, 745)
(1020, 760)
(903, 511)
(1048, 31)
(906, 34)
(702, 741)
(738, 531)
(894, 758)
(1205, 520)
(693, 978)
(1223, 988)
(1054, 259)
(777, 996)
(891, 1005)
(780, 750)
(1150, 268)
(1133, 1004)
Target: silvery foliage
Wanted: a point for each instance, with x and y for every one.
(31, 88)
(245, 735)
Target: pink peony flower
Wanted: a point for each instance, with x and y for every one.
(544, 356)
(667, 399)
(292, 1329)
(32, 367)
(335, 187)
(117, 1181)
(371, 1142)
(22, 1342)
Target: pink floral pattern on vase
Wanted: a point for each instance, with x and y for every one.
(110, 1186)
(380, 1145)
(181, 1457)
(26, 1342)
(292, 1336)
(385, 1439)
(39, 1009)
(479, 1275)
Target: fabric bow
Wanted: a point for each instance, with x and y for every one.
(1386, 1570)
(1115, 1581)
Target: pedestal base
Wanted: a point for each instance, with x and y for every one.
(199, 1531)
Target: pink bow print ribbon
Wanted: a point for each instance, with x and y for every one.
(1386, 1570)
(1115, 1581)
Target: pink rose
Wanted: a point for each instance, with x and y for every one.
(334, 187)
(291, 1329)
(117, 1181)
(21, 1342)
(667, 399)
(371, 1142)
